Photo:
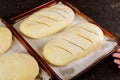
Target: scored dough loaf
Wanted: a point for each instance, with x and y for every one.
(5, 39)
(72, 44)
(18, 66)
(47, 21)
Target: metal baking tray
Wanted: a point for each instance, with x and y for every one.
(78, 67)
(18, 46)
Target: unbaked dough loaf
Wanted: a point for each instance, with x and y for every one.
(5, 39)
(73, 44)
(18, 66)
(47, 21)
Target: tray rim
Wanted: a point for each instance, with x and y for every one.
(13, 19)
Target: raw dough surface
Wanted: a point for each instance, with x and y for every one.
(47, 21)
(73, 44)
(5, 39)
(18, 66)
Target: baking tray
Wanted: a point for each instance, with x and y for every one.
(78, 67)
(18, 46)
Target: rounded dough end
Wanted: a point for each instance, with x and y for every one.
(18, 66)
(5, 39)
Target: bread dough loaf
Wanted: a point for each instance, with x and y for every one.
(47, 21)
(18, 66)
(5, 39)
(73, 44)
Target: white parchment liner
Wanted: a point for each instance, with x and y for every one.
(76, 67)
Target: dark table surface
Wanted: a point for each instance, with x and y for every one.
(104, 12)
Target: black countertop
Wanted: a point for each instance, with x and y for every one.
(104, 12)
